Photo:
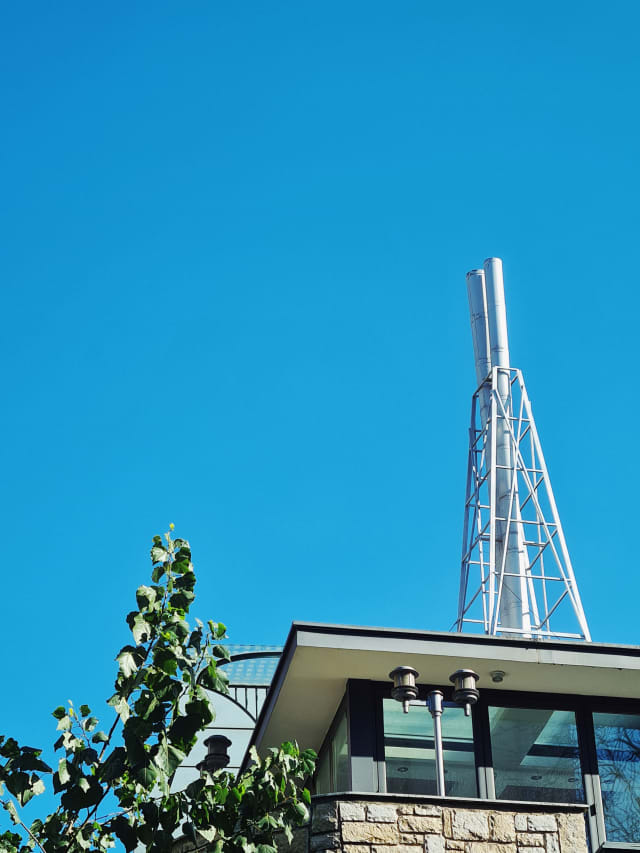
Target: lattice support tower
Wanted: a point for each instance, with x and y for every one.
(516, 573)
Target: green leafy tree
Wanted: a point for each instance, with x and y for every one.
(117, 784)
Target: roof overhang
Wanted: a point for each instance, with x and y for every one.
(318, 660)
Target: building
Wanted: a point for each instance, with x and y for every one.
(541, 754)
(549, 758)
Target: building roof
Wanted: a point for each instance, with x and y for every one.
(252, 665)
(318, 659)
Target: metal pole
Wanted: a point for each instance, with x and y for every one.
(480, 335)
(434, 704)
(513, 605)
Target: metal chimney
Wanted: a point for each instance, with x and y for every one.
(512, 531)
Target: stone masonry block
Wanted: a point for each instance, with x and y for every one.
(542, 823)
(489, 847)
(427, 811)
(299, 842)
(352, 811)
(454, 846)
(355, 832)
(571, 832)
(327, 841)
(470, 826)
(551, 844)
(382, 814)
(446, 820)
(400, 848)
(406, 809)
(417, 823)
(433, 844)
(521, 822)
(357, 848)
(324, 817)
(502, 827)
(530, 839)
(528, 850)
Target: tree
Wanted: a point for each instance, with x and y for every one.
(117, 784)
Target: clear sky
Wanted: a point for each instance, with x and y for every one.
(233, 250)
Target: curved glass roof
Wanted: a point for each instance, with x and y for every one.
(257, 671)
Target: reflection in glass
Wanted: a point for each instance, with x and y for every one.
(332, 769)
(409, 750)
(340, 756)
(618, 750)
(323, 774)
(535, 755)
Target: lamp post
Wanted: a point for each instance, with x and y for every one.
(434, 704)
(465, 693)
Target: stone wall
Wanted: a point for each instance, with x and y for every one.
(353, 826)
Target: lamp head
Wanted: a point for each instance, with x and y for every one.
(465, 691)
(404, 685)
(217, 756)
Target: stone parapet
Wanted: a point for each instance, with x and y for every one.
(393, 826)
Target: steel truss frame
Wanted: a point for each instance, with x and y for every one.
(549, 583)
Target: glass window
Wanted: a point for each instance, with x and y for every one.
(323, 773)
(409, 750)
(618, 750)
(332, 774)
(340, 756)
(535, 755)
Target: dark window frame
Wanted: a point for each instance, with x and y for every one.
(583, 706)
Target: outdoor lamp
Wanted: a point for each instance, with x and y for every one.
(404, 685)
(217, 756)
(465, 691)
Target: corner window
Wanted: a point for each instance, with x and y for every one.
(333, 773)
(535, 755)
(409, 750)
(618, 751)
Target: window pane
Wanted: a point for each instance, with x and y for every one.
(618, 747)
(535, 755)
(332, 772)
(409, 751)
(323, 774)
(340, 752)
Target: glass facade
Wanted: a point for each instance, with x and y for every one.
(535, 755)
(618, 753)
(511, 748)
(409, 750)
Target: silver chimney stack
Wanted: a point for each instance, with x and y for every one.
(512, 531)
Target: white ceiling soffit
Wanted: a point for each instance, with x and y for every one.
(318, 660)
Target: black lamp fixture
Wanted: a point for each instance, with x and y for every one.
(404, 685)
(217, 756)
(465, 691)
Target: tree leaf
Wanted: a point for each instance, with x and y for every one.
(63, 771)
(64, 723)
(159, 554)
(113, 766)
(141, 629)
(13, 812)
(100, 737)
(127, 663)
(125, 832)
(121, 706)
(145, 596)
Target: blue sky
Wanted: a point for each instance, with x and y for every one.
(233, 255)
